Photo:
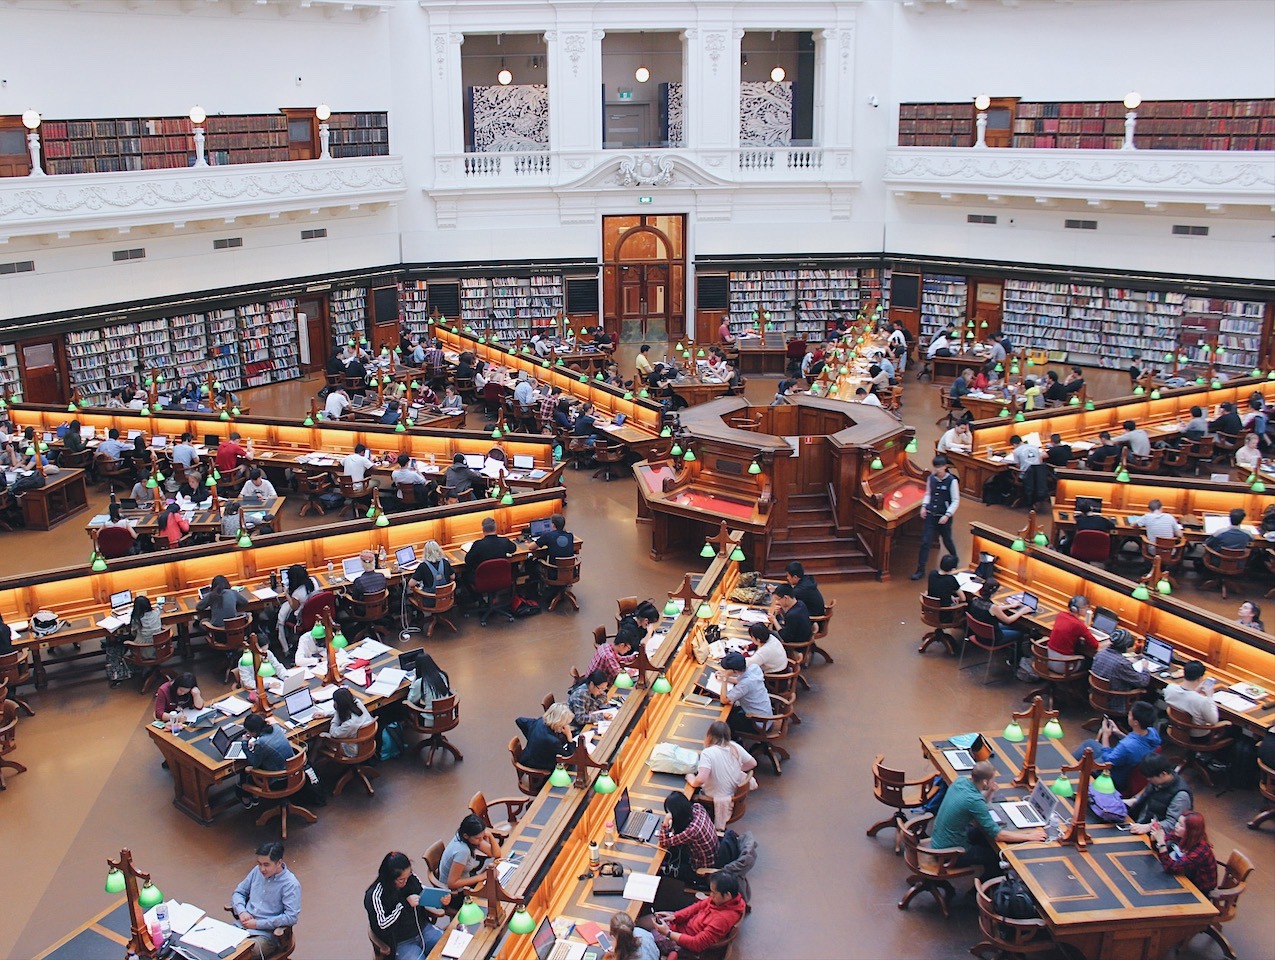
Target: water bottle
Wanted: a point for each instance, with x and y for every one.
(609, 837)
(175, 723)
(161, 918)
(380, 556)
(595, 855)
(274, 580)
(330, 568)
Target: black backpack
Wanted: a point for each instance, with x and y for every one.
(727, 848)
(1242, 774)
(1012, 899)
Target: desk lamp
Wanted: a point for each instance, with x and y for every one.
(123, 877)
(1077, 834)
(1051, 728)
(244, 540)
(495, 895)
(97, 562)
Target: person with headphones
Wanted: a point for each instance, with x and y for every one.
(1113, 666)
(1071, 635)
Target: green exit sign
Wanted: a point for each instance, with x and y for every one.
(625, 93)
(646, 199)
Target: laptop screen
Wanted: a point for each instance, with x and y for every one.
(619, 419)
(204, 591)
(211, 440)
(475, 461)
(524, 461)
(540, 528)
(1104, 621)
(298, 701)
(1042, 799)
(221, 740)
(1095, 503)
(407, 660)
(544, 939)
(122, 599)
(352, 567)
(1157, 650)
(159, 442)
(622, 809)
(405, 555)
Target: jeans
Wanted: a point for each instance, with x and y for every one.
(416, 949)
(930, 528)
(1096, 745)
(978, 852)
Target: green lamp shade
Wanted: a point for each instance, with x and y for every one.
(411, 422)
(246, 659)
(1040, 540)
(224, 416)
(244, 540)
(1215, 384)
(1205, 349)
(1018, 546)
(468, 328)
(704, 610)
(522, 922)
(1013, 732)
(661, 685)
(1163, 586)
(1019, 417)
(482, 339)
(1269, 376)
(560, 363)
(507, 500)
(470, 913)
(623, 681)
(308, 421)
(265, 670)
(708, 552)
(700, 352)
(338, 641)
(1258, 486)
(1053, 729)
(235, 410)
(371, 512)
(690, 455)
(677, 450)
(383, 521)
(496, 434)
(159, 476)
(1122, 475)
(1089, 405)
(876, 463)
(679, 346)
(416, 384)
(644, 393)
(1062, 787)
(754, 468)
(318, 631)
(1255, 372)
(983, 325)
(70, 408)
(1031, 362)
(99, 562)
(670, 608)
(1199, 381)
(667, 431)
(1155, 394)
(151, 484)
(737, 555)
(115, 881)
(1014, 368)
(399, 428)
(584, 378)
(560, 777)
(1140, 592)
(1138, 391)
(604, 784)
(149, 896)
(628, 394)
(1074, 401)
(832, 389)
(1000, 368)
(1003, 412)
(912, 446)
(1103, 783)
(598, 376)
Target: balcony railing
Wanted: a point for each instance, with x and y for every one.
(95, 201)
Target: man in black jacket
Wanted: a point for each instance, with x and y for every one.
(1165, 797)
(790, 619)
(490, 547)
(1229, 422)
(805, 588)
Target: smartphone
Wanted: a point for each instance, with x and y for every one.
(604, 941)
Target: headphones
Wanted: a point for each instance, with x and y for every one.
(1076, 602)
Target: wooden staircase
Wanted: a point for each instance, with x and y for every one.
(812, 540)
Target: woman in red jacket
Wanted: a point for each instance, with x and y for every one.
(704, 923)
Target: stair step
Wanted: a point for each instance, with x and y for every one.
(823, 547)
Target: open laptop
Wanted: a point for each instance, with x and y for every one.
(158, 442)
(540, 528)
(351, 567)
(475, 461)
(620, 418)
(1104, 621)
(640, 826)
(122, 603)
(1028, 600)
(229, 747)
(300, 705)
(293, 681)
(548, 947)
(1035, 811)
(1156, 655)
(47, 436)
(405, 557)
(524, 461)
(1095, 503)
(407, 660)
(128, 503)
(211, 440)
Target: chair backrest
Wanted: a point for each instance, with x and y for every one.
(350, 487)
(1232, 882)
(626, 606)
(1266, 786)
(1169, 550)
(293, 775)
(547, 701)
(1091, 545)
(934, 614)
(821, 622)
(233, 630)
(1010, 934)
(1104, 464)
(888, 784)
(13, 668)
(494, 574)
(8, 726)
(446, 714)
(1199, 449)
(599, 636)
(983, 634)
(433, 858)
(1113, 703)
(371, 606)
(444, 597)
(1185, 731)
(1226, 561)
(529, 780)
(114, 542)
(1055, 667)
(365, 741)
(315, 604)
(562, 572)
(162, 647)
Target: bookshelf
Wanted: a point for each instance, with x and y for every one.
(764, 296)
(121, 345)
(822, 297)
(9, 379)
(87, 365)
(936, 124)
(155, 349)
(943, 301)
(1239, 326)
(874, 284)
(1034, 313)
(254, 344)
(268, 341)
(223, 352)
(259, 138)
(413, 306)
(347, 315)
(281, 316)
(512, 305)
(188, 334)
(359, 135)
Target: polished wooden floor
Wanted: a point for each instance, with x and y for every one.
(822, 891)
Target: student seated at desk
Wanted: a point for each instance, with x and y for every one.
(1033, 398)
(558, 544)
(6, 637)
(790, 617)
(1070, 635)
(688, 836)
(548, 737)
(370, 580)
(336, 403)
(1250, 615)
(724, 766)
(964, 821)
(1192, 695)
(140, 492)
(702, 924)
(585, 425)
(1229, 422)
(630, 942)
(452, 401)
(258, 487)
(805, 588)
(357, 464)
(229, 453)
(1190, 854)
(248, 674)
(1001, 616)
(1197, 427)
(957, 438)
(405, 472)
(1057, 453)
(1086, 519)
(1104, 451)
(117, 521)
(173, 696)
(72, 442)
(391, 414)
(184, 452)
(434, 571)
(463, 480)
(349, 716)
(1157, 524)
(1233, 537)
(744, 690)
(142, 627)
(588, 700)
(861, 395)
(172, 526)
(221, 603)
(490, 547)
(1124, 751)
(267, 748)
(431, 684)
(770, 654)
(394, 911)
(1165, 797)
(1112, 665)
(269, 898)
(613, 655)
(1249, 456)
(466, 855)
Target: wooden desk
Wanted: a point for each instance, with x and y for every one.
(1233, 653)
(107, 934)
(63, 496)
(202, 520)
(945, 370)
(696, 391)
(1007, 756)
(423, 417)
(765, 354)
(1113, 900)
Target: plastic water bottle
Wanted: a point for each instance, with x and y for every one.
(161, 919)
(175, 724)
(609, 837)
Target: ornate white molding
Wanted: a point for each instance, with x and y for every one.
(1160, 176)
(93, 201)
(646, 170)
(715, 45)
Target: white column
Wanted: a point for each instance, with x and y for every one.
(575, 88)
(835, 104)
(445, 89)
(710, 97)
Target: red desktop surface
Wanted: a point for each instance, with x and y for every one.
(716, 505)
(904, 498)
(654, 477)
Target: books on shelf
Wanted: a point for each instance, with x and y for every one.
(347, 315)
(515, 306)
(9, 379)
(944, 298)
(413, 306)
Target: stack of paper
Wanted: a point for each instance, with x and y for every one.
(1224, 698)
(214, 935)
(111, 624)
(387, 681)
(265, 593)
(456, 943)
(181, 916)
(641, 886)
(369, 649)
(233, 706)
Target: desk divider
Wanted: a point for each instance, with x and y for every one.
(1181, 496)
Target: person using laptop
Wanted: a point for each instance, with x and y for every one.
(349, 716)
(1070, 635)
(964, 820)
(431, 684)
(117, 521)
(140, 492)
(1112, 665)
(1250, 615)
(434, 571)
(184, 452)
(1124, 751)
(258, 487)
(462, 481)
(724, 766)
(357, 464)
(1157, 524)
(267, 748)
(336, 403)
(111, 446)
(585, 425)
(490, 547)
(688, 836)
(704, 923)
(178, 694)
(744, 690)
(466, 855)
(268, 899)
(1001, 616)
(221, 603)
(1086, 519)
(629, 942)
(229, 453)
(1165, 797)
(1191, 695)
(1232, 537)
(557, 544)
(370, 580)
(394, 911)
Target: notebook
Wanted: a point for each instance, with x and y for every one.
(640, 826)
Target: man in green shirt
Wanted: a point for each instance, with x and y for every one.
(965, 820)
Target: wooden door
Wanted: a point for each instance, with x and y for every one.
(303, 134)
(986, 305)
(316, 322)
(40, 362)
(1000, 122)
(814, 465)
(15, 159)
(644, 295)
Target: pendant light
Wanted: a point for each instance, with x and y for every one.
(777, 73)
(642, 74)
(504, 77)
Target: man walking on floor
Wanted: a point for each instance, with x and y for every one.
(942, 497)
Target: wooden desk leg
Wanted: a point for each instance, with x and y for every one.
(659, 536)
(191, 784)
(37, 664)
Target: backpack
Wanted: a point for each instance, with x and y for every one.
(391, 741)
(1108, 807)
(936, 798)
(524, 606)
(1242, 773)
(727, 849)
(1012, 899)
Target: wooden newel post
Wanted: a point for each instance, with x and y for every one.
(262, 704)
(1077, 834)
(582, 761)
(495, 895)
(1039, 716)
(333, 677)
(140, 943)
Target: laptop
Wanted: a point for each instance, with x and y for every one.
(540, 528)
(293, 681)
(204, 591)
(47, 436)
(351, 567)
(1028, 600)
(134, 434)
(1095, 503)
(300, 705)
(128, 503)
(122, 603)
(620, 418)
(1156, 655)
(405, 557)
(229, 747)
(159, 442)
(88, 432)
(640, 826)
(1035, 811)
(548, 947)
(407, 660)
(475, 461)
(1104, 621)
(524, 461)
(211, 440)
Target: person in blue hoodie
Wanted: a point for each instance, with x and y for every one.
(1124, 752)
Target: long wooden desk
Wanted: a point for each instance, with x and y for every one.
(1233, 654)
(944, 370)
(205, 519)
(81, 597)
(63, 495)
(1159, 417)
(107, 933)
(765, 354)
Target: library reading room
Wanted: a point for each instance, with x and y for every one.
(528, 479)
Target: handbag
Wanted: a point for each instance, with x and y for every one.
(609, 881)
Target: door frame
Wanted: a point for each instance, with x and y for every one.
(59, 363)
(675, 322)
(323, 345)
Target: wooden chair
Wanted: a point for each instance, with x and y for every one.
(433, 860)
(514, 807)
(940, 619)
(951, 408)
(1183, 731)
(1110, 703)
(892, 399)
(932, 870)
(380, 949)
(227, 639)
(547, 701)
(465, 387)
(1226, 565)
(785, 683)
(624, 608)
(983, 636)
(1147, 464)
(117, 474)
(369, 612)
(803, 653)
(608, 455)
(715, 951)
(493, 580)
(1224, 447)
(150, 658)
(357, 492)
(15, 670)
(312, 486)
(739, 803)
(8, 739)
(1105, 464)
(81, 460)
(578, 451)
(443, 600)
(1267, 789)
(1170, 550)
(1091, 546)
(894, 789)
(1198, 452)
(1173, 459)
(1007, 936)
(232, 481)
(820, 625)
(769, 732)
(1060, 672)
(530, 780)
(560, 576)
(365, 743)
(260, 784)
(432, 724)
(1232, 882)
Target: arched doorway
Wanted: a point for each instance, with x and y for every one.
(644, 277)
